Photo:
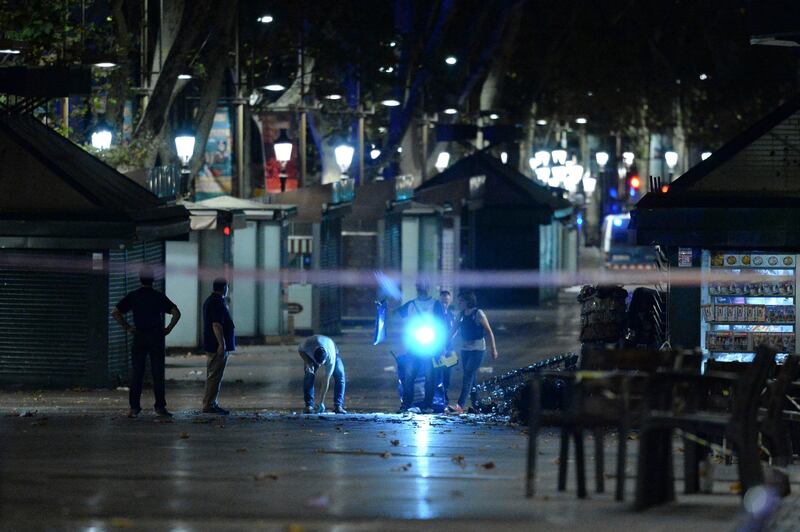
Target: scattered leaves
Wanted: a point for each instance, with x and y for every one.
(459, 460)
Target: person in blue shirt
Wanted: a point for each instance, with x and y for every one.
(219, 339)
(149, 307)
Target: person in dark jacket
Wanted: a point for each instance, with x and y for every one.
(149, 307)
(219, 339)
(474, 328)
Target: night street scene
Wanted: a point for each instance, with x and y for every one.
(356, 265)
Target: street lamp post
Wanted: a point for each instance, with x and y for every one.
(344, 157)
(184, 146)
(442, 161)
(102, 136)
(602, 160)
(671, 157)
(283, 153)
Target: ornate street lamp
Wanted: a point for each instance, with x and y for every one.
(602, 159)
(559, 156)
(184, 146)
(344, 157)
(442, 161)
(102, 136)
(283, 153)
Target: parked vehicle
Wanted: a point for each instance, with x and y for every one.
(619, 246)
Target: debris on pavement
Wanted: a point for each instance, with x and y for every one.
(184, 435)
(395, 442)
(387, 454)
(459, 460)
(265, 476)
(320, 501)
(488, 465)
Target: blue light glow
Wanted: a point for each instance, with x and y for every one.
(424, 335)
(617, 222)
(612, 192)
(579, 220)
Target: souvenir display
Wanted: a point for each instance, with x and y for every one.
(748, 301)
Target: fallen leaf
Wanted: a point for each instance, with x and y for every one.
(488, 465)
(121, 522)
(459, 460)
(736, 488)
(184, 435)
(387, 454)
(241, 450)
(395, 442)
(557, 461)
(265, 476)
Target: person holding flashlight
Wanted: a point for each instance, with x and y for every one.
(415, 360)
(322, 361)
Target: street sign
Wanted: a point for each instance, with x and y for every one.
(294, 308)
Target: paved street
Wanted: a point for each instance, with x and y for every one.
(272, 471)
(270, 377)
(70, 459)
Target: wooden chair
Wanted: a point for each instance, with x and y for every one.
(776, 418)
(603, 393)
(680, 403)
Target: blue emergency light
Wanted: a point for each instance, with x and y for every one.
(424, 336)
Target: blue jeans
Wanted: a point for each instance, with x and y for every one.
(470, 362)
(338, 385)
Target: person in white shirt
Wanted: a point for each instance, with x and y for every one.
(413, 364)
(322, 362)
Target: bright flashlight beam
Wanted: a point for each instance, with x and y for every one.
(389, 286)
(424, 335)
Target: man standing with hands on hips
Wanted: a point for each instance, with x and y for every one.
(219, 339)
(149, 307)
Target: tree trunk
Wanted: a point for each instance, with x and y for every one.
(187, 40)
(120, 76)
(217, 60)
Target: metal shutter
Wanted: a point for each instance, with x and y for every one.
(44, 319)
(123, 277)
(392, 242)
(330, 294)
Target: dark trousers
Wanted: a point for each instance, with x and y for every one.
(412, 368)
(338, 385)
(470, 363)
(146, 344)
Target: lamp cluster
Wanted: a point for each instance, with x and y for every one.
(553, 169)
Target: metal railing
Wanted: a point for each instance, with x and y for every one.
(165, 181)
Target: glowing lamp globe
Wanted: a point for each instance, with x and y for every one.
(344, 156)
